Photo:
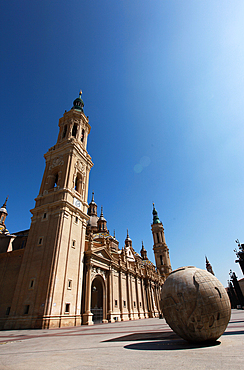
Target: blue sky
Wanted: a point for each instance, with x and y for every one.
(163, 86)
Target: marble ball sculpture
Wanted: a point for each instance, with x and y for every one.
(195, 304)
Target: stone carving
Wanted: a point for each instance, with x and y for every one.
(97, 271)
(195, 304)
(56, 162)
(80, 167)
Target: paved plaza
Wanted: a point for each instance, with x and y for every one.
(140, 344)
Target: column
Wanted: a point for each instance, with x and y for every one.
(87, 316)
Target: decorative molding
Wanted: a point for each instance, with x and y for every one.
(56, 162)
(80, 167)
(97, 271)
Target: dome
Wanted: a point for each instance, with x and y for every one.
(155, 216)
(3, 210)
(78, 103)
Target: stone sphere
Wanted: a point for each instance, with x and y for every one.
(195, 304)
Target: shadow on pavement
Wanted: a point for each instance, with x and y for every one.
(234, 332)
(144, 336)
(169, 345)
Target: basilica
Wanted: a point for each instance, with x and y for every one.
(67, 269)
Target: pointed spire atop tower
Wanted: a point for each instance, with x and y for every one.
(143, 252)
(209, 267)
(128, 241)
(78, 103)
(92, 210)
(3, 215)
(155, 216)
(102, 222)
(160, 248)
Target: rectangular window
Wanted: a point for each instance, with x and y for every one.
(44, 215)
(26, 310)
(73, 243)
(140, 304)
(32, 283)
(40, 241)
(8, 310)
(124, 303)
(76, 219)
(134, 304)
(69, 284)
(67, 308)
(161, 260)
(115, 302)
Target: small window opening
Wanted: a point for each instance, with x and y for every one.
(26, 310)
(158, 237)
(56, 181)
(82, 135)
(74, 130)
(140, 304)
(78, 183)
(67, 308)
(40, 241)
(134, 304)
(8, 310)
(124, 303)
(161, 260)
(64, 131)
(76, 219)
(73, 244)
(44, 215)
(70, 284)
(115, 302)
(32, 283)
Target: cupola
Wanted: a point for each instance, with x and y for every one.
(143, 252)
(155, 216)
(78, 103)
(102, 223)
(128, 241)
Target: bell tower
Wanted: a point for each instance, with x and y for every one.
(160, 248)
(49, 287)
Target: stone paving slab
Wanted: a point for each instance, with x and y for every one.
(140, 344)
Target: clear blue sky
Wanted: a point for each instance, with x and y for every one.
(163, 86)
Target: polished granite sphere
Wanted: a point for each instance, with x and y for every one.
(195, 304)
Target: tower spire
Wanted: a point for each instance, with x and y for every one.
(155, 216)
(160, 248)
(3, 215)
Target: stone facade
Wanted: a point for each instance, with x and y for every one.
(67, 270)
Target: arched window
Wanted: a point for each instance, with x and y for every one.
(74, 130)
(161, 260)
(82, 135)
(78, 183)
(53, 181)
(56, 181)
(64, 131)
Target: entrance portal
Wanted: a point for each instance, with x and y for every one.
(97, 300)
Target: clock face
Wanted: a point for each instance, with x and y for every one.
(77, 203)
